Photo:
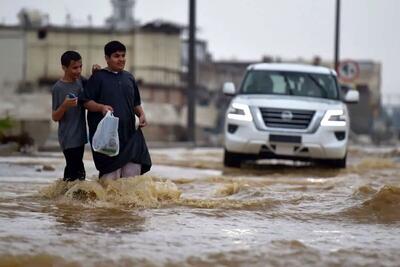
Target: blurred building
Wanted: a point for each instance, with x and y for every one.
(157, 56)
(122, 15)
(31, 64)
(153, 51)
(367, 81)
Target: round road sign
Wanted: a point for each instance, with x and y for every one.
(348, 70)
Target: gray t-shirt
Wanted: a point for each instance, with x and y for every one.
(72, 127)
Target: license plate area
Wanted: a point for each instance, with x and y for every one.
(284, 149)
(293, 139)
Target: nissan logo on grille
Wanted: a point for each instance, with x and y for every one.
(287, 115)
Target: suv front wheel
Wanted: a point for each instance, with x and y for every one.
(335, 163)
(232, 159)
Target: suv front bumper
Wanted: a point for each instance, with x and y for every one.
(326, 142)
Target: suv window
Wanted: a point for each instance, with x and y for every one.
(290, 83)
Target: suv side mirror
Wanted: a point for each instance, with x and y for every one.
(352, 96)
(229, 89)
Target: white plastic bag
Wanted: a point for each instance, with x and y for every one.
(105, 139)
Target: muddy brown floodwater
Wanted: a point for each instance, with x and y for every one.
(190, 211)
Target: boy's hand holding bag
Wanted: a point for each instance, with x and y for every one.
(105, 139)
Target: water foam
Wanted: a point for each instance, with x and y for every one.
(141, 191)
(230, 188)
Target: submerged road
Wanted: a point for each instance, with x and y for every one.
(191, 211)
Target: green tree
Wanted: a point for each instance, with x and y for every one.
(5, 123)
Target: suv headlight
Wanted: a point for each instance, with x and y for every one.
(334, 117)
(239, 112)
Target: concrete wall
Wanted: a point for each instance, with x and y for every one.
(153, 57)
(11, 55)
(44, 54)
(157, 57)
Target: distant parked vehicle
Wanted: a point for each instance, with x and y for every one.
(287, 111)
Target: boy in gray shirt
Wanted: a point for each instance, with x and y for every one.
(70, 114)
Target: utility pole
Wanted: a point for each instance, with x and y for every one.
(337, 34)
(191, 81)
(26, 24)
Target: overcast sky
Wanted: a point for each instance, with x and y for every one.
(249, 29)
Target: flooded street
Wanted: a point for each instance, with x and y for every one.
(190, 211)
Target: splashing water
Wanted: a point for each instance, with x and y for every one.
(140, 191)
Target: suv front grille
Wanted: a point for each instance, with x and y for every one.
(287, 118)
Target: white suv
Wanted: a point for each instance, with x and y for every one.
(287, 111)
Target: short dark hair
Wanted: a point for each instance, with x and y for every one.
(69, 56)
(113, 46)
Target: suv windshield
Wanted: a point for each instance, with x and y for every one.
(290, 83)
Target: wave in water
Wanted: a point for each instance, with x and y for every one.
(373, 163)
(48, 260)
(381, 205)
(146, 192)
